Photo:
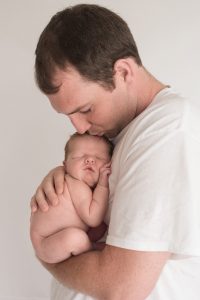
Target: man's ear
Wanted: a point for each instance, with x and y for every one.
(124, 69)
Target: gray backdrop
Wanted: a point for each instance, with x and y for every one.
(33, 135)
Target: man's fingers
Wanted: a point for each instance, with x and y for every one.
(59, 177)
(47, 193)
(50, 194)
(53, 184)
(33, 204)
(40, 199)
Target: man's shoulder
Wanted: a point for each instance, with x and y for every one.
(168, 113)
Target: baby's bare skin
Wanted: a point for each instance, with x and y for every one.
(62, 230)
(63, 227)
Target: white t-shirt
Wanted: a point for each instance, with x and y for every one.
(155, 194)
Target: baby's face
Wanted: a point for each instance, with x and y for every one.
(86, 156)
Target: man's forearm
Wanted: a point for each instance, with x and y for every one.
(83, 273)
(114, 273)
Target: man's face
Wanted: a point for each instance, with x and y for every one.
(90, 107)
(86, 155)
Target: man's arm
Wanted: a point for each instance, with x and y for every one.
(111, 274)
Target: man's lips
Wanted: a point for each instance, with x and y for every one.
(96, 133)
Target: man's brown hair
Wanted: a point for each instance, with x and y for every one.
(91, 38)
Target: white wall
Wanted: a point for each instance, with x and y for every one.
(33, 135)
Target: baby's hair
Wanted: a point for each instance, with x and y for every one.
(78, 135)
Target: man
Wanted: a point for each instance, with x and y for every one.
(88, 65)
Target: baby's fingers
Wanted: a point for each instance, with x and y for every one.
(105, 168)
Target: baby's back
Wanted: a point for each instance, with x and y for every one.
(57, 217)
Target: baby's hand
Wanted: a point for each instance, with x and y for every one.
(104, 173)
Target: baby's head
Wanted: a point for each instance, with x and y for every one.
(84, 156)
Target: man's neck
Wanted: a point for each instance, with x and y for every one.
(148, 88)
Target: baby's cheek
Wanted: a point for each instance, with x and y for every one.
(100, 166)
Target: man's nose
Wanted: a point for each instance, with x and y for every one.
(81, 124)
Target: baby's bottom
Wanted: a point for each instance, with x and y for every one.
(62, 244)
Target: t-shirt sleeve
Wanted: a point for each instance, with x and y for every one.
(156, 204)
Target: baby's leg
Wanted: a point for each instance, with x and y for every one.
(61, 245)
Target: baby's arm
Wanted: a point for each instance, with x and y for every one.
(91, 206)
(100, 195)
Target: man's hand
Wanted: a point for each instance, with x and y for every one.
(49, 189)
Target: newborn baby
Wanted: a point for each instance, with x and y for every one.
(62, 230)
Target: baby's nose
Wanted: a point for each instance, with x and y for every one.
(90, 160)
